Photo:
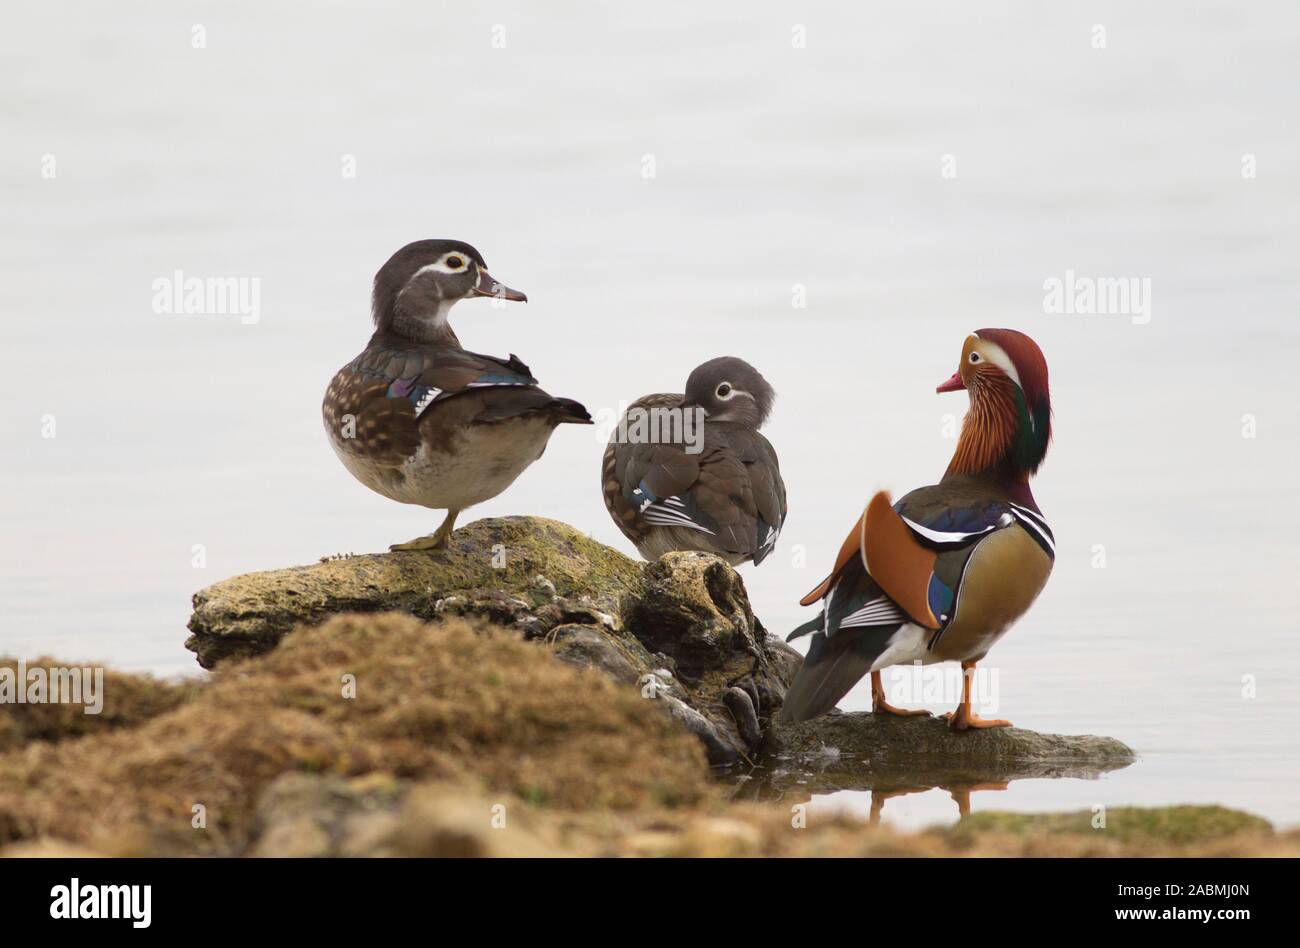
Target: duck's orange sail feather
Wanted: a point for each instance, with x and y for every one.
(893, 558)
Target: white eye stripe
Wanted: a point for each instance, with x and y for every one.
(998, 356)
(443, 264)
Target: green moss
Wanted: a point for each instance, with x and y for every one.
(247, 615)
(574, 562)
(535, 796)
(1172, 824)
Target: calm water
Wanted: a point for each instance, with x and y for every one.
(773, 166)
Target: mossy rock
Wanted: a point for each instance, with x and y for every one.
(885, 754)
(502, 557)
(680, 629)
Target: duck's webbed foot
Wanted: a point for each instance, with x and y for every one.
(964, 719)
(438, 540)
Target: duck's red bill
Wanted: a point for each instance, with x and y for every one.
(954, 384)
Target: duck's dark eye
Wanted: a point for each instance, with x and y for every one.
(455, 262)
(724, 390)
(974, 357)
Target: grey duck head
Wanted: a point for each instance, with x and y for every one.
(730, 389)
(416, 288)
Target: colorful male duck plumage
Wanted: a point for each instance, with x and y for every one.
(421, 420)
(719, 491)
(942, 574)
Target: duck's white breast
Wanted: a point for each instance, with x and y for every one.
(487, 459)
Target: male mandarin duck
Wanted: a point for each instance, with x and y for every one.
(419, 419)
(692, 471)
(942, 574)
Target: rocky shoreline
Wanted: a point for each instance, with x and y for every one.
(681, 630)
(527, 692)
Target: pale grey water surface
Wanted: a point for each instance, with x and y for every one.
(773, 166)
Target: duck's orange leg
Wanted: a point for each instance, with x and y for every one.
(961, 795)
(878, 798)
(880, 706)
(964, 718)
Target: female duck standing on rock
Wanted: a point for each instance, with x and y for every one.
(942, 574)
(710, 481)
(419, 419)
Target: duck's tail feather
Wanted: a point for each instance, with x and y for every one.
(832, 667)
(521, 401)
(571, 412)
(812, 625)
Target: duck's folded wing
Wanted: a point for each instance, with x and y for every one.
(855, 601)
(710, 492)
(915, 551)
(942, 521)
(446, 373)
(380, 397)
(763, 471)
(425, 379)
(421, 376)
(725, 497)
(658, 481)
(943, 528)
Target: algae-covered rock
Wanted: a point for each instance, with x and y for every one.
(694, 608)
(494, 564)
(882, 737)
(684, 620)
(889, 755)
(680, 630)
(586, 647)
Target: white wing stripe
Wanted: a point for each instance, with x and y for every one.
(879, 611)
(426, 400)
(667, 516)
(943, 536)
(879, 614)
(661, 516)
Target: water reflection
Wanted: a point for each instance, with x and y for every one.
(895, 757)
